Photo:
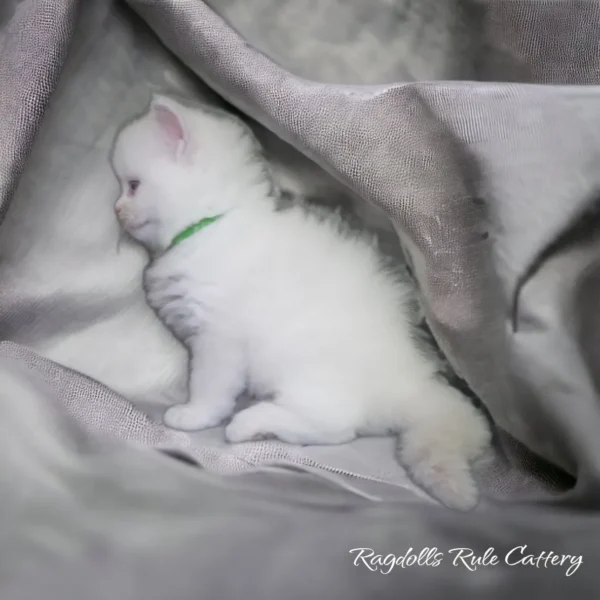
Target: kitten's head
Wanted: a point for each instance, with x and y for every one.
(177, 165)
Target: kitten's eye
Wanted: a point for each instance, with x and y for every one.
(133, 185)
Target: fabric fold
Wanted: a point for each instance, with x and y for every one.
(475, 177)
(33, 44)
(479, 180)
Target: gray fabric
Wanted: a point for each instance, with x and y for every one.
(478, 178)
(28, 74)
(74, 294)
(70, 294)
(83, 519)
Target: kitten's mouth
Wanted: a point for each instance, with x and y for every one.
(133, 227)
(128, 229)
(137, 226)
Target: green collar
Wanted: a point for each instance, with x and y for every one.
(192, 229)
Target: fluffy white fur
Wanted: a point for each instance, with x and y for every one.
(285, 302)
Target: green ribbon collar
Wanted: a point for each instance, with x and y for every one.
(192, 229)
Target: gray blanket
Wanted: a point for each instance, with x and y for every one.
(489, 187)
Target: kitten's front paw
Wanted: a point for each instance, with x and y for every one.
(191, 417)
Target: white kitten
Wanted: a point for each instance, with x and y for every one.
(285, 302)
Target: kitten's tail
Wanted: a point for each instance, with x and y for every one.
(442, 433)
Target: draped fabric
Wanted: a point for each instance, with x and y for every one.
(472, 147)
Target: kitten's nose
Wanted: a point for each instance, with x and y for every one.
(118, 208)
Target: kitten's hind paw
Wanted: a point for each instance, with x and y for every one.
(191, 417)
(441, 470)
(451, 484)
(441, 445)
(247, 426)
(270, 420)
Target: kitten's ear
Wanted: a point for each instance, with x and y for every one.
(171, 123)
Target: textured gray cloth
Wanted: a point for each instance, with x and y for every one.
(81, 519)
(460, 170)
(477, 178)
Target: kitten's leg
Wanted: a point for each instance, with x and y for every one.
(270, 419)
(441, 434)
(217, 377)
